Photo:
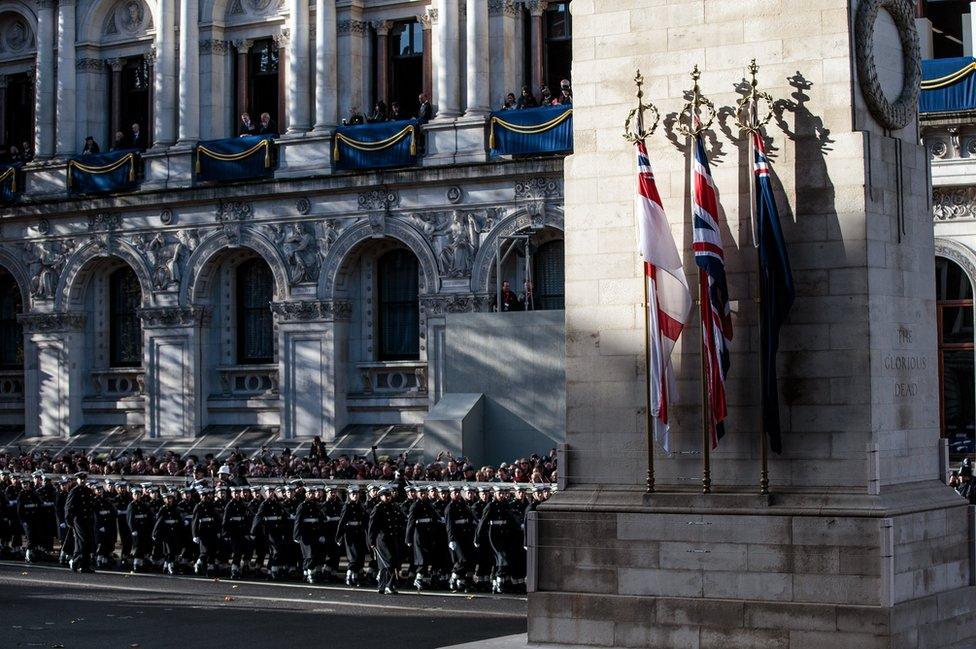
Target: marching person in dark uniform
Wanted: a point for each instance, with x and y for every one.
(331, 511)
(295, 495)
(8, 514)
(499, 529)
(206, 532)
(385, 535)
(121, 497)
(483, 553)
(519, 505)
(48, 522)
(29, 514)
(461, 526)
(222, 553)
(236, 527)
(351, 531)
(166, 531)
(271, 521)
(421, 538)
(139, 518)
(65, 534)
(106, 527)
(188, 549)
(309, 533)
(79, 513)
(258, 543)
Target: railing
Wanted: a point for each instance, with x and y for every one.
(531, 131)
(11, 384)
(376, 146)
(393, 377)
(119, 382)
(102, 173)
(248, 380)
(235, 158)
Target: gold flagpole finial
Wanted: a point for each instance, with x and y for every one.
(690, 122)
(747, 108)
(641, 133)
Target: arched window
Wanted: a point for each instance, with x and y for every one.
(398, 324)
(255, 326)
(11, 335)
(548, 275)
(125, 329)
(957, 369)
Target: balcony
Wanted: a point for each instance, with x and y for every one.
(389, 392)
(248, 381)
(11, 385)
(393, 378)
(103, 173)
(118, 383)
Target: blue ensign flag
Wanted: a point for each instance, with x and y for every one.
(775, 289)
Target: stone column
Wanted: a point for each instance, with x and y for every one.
(44, 81)
(310, 373)
(243, 46)
(382, 28)
(478, 102)
(189, 91)
(448, 53)
(505, 61)
(164, 78)
(350, 37)
(172, 339)
(53, 372)
(281, 42)
(428, 83)
(115, 70)
(216, 104)
(326, 75)
(536, 9)
(3, 110)
(65, 129)
(297, 81)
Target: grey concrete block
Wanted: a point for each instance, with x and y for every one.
(655, 637)
(702, 613)
(805, 617)
(839, 589)
(836, 640)
(815, 530)
(744, 639)
(665, 583)
(775, 587)
(703, 556)
(571, 631)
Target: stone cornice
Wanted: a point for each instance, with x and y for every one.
(309, 310)
(51, 322)
(173, 316)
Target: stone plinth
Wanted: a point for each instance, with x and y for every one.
(859, 543)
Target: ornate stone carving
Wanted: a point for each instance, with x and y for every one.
(954, 203)
(43, 227)
(303, 205)
(897, 114)
(307, 310)
(377, 223)
(166, 255)
(214, 46)
(16, 36)
(115, 65)
(425, 19)
(379, 199)
(128, 18)
(231, 216)
(51, 322)
(330, 232)
(300, 250)
(454, 194)
(173, 316)
(357, 27)
(939, 149)
(536, 7)
(955, 252)
(536, 188)
(455, 238)
(243, 45)
(433, 305)
(104, 222)
(502, 7)
(89, 65)
(46, 260)
(166, 216)
(431, 15)
(383, 27)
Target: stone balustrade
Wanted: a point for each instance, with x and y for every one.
(248, 380)
(118, 382)
(393, 377)
(11, 384)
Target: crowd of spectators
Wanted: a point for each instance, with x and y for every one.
(390, 113)
(316, 463)
(14, 154)
(545, 97)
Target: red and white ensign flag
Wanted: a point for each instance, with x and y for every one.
(669, 300)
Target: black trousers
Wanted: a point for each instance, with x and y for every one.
(84, 533)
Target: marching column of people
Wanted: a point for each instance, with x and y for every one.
(461, 538)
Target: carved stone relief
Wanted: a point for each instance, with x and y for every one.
(45, 261)
(954, 203)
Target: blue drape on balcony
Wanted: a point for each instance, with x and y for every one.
(948, 85)
(9, 184)
(235, 158)
(548, 129)
(100, 173)
(375, 146)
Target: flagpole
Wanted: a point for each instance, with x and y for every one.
(636, 137)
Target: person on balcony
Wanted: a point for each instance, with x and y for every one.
(355, 117)
(91, 146)
(137, 140)
(379, 113)
(510, 102)
(26, 152)
(14, 155)
(267, 125)
(118, 142)
(395, 113)
(526, 99)
(247, 126)
(545, 95)
(424, 111)
(510, 300)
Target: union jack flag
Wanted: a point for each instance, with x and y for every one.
(669, 300)
(716, 312)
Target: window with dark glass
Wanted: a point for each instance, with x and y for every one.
(134, 100)
(255, 325)
(125, 329)
(559, 44)
(548, 275)
(18, 114)
(262, 69)
(11, 335)
(399, 311)
(957, 368)
(406, 67)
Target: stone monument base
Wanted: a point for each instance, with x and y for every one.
(788, 571)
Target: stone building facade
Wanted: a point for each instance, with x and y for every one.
(305, 302)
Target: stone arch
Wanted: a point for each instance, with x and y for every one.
(18, 30)
(92, 24)
(77, 272)
(15, 266)
(959, 253)
(546, 216)
(199, 271)
(353, 236)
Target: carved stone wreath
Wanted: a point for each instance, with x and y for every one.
(898, 114)
(953, 203)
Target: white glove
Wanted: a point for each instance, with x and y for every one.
(476, 545)
(321, 539)
(101, 529)
(196, 539)
(453, 546)
(135, 534)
